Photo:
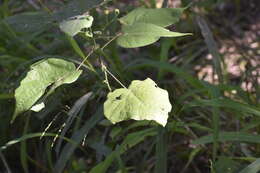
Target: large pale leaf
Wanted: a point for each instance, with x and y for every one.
(143, 100)
(161, 16)
(142, 34)
(75, 24)
(42, 74)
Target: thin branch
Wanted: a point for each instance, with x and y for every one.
(5, 162)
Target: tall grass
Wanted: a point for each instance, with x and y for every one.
(213, 126)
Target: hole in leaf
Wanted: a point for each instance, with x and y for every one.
(156, 86)
(118, 97)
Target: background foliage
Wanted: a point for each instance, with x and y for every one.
(212, 78)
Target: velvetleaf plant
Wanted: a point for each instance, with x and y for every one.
(142, 100)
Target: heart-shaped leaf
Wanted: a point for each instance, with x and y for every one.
(75, 24)
(143, 100)
(160, 16)
(142, 34)
(44, 73)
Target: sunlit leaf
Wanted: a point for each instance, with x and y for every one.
(160, 16)
(143, 100)
(75, 24)
(48, 72)
(142, 34)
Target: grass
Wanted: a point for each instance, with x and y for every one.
(214, 123)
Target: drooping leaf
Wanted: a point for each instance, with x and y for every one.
(44, 73)
(161, 16)
(143, 100)
(142, 34)
(34, 21)
(76, 7)
(75, 24)
(29, 22)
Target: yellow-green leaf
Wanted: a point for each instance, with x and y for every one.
(48, 72)
(160, 16)
(143, 100)
(142, 34)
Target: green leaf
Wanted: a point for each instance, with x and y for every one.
(225, 103)
(77, 137)
(161, 16)
(76, 7)
(252, 168)
(29, 22)
(130, 141)
(75, 24)
(143, 100)
(227, 165)
(142, 34)
(229, 136)
(44, 73)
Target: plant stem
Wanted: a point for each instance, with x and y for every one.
(161, 151)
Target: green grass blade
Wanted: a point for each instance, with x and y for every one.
(252, 168)
(130, 141)
(7, 167)
(71, 116)
(212, 46)
(165, 47)
(192, 155)
(161, 151)
(216, 123)
(77, 137)
(23, 147)
(225, 103)
(229, 137)
(30, 136)
(181, 73)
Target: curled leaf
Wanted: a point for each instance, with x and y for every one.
(74, 25)
(48, 72)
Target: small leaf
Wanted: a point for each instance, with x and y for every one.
(44, 73)
(161, 16)
(143, 100)
(142, 34)
(74, 25)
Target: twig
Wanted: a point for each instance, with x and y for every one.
(5, 162)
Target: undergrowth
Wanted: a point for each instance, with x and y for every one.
(212, 78)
